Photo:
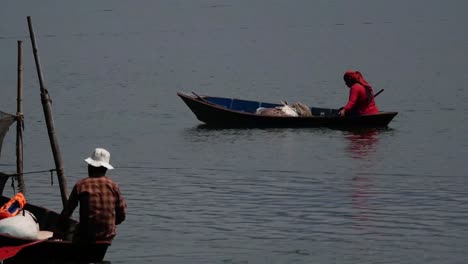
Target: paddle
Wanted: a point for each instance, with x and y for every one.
(375, 95)
(202, 99)
(10, 251)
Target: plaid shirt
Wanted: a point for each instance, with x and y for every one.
(102, 207)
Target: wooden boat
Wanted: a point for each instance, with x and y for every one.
(47, 250)
(228, 112)
(51, 250)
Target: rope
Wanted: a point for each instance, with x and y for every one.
(13, 184)
(33, 172)
(15, 175)
(20, 119)
(45, 98)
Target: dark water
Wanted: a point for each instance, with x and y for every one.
(197, 195)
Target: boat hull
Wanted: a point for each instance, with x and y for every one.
(225, 112)
(52, 250)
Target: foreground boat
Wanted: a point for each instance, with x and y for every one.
(228, 112)
(51, 250)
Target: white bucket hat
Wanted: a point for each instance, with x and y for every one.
(100, 157)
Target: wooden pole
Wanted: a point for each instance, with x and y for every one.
(19, 120)
(45, 99)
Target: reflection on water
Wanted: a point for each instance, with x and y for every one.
(361, 192)
(204, 132)
(361, 145)
(362, 142)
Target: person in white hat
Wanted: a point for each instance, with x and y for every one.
(102, 205)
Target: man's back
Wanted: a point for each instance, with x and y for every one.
(102, 207)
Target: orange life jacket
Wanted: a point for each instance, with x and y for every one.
(12, 207)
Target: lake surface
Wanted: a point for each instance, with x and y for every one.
(200, 195)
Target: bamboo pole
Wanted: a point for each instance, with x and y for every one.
(45, 99)
(19, 120)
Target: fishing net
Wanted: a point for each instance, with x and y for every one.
(5, 122)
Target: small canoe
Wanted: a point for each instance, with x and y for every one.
(230, 112)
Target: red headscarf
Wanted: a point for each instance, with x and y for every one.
(356, 77)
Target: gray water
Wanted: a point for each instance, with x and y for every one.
(200, 195)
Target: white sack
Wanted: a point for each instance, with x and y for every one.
(287, 110)
(24, 225)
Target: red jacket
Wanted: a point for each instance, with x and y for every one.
(357, 103)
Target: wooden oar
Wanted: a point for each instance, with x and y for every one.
(199, 97)
(375, 95)
(10, 251)
(202, 99)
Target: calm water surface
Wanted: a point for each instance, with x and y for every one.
(200, 195)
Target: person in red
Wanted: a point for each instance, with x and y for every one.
(361, 96)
